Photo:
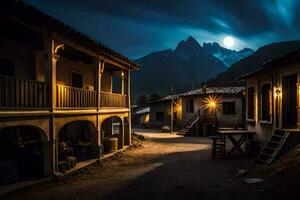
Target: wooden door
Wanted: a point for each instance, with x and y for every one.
(289, 101)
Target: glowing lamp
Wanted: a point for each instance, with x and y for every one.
(212, 103)
(277, 91)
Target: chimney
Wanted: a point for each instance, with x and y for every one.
(204, 88)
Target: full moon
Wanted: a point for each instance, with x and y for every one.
(228, 41)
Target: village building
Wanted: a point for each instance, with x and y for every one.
(63, 96)
(191, 113)
(208, 108)
(273, 104)
(157, 114)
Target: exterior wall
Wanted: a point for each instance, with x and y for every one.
(23, 56)
(265, 129)
(106, 81)
(165, 108)
(235, 120)
(64, 70)
(223, 120)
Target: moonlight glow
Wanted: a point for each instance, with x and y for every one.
(228, 41)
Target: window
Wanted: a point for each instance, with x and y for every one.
(190, 105)
(159, 116)
(266, 102)
(7, 67)
(228, 108)
(116, 84)
(251, 103)
(77, 80)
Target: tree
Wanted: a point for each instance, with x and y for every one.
(142, 100)
(154, 96)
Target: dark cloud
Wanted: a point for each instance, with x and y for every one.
(137, 27)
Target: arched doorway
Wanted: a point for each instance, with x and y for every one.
(112, 128)
(77, 142)
(22, 154)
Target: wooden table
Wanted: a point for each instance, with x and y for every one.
(241, 137)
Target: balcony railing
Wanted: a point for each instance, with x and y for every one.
(113, 100)
(17, 92)
(71, 97)
(23, 93)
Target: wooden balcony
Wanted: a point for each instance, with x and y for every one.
(22, 93)
(71, 97)
(113, 100)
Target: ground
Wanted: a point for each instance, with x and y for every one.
(163, 166)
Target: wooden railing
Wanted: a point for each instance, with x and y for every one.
(71, 97)
(17, 92)
(113, 100)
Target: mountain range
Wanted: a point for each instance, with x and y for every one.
(227, 56)
(253, 62)
(184, 68)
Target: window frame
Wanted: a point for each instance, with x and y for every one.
(262, 107)
(254, 97)
(79, 73)
(162, 116)
(190, 105)
(231, 103)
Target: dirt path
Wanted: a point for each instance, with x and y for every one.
(162, 167)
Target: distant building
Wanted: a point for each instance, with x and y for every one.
(191, 107)
(197, 113)
(273, 96)
(157, 114)
(62, 95)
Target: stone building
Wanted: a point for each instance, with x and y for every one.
(62, 94)
(273, 97)
(211, 106)
(188, 105)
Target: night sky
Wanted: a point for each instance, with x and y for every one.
(138, 27)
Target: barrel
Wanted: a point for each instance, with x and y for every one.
(110, 144)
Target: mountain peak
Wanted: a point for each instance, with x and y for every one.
(189, 45)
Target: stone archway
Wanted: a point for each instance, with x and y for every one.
(24, 154)
(112, 127)
(78, 141)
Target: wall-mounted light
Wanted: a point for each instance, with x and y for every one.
(277, 91)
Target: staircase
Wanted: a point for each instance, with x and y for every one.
(272, 147)
(189, 124)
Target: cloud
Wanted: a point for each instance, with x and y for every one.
(137, 27)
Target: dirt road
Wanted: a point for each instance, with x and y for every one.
(164, 166)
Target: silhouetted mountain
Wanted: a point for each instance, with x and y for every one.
(253, 62)
(228, 56)
(189, 64)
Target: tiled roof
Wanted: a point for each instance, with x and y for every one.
(32, 15)
(214, 90)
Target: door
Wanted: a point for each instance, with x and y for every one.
(289, 101)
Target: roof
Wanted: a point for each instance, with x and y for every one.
(276, 63)
(214, 90)
(34, 16)
(143, 110)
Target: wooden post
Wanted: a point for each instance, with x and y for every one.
(129, 105)
(99, 79)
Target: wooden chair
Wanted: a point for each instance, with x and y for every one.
(71, 161)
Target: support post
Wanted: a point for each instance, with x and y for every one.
(129, 105)
(99, 80)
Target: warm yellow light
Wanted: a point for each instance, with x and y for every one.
(212, 103)
(277, 92)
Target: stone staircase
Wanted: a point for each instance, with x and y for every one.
(190, 124)
(273, 146)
